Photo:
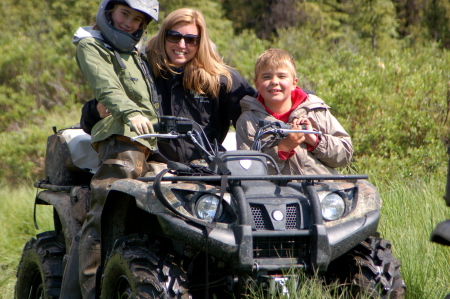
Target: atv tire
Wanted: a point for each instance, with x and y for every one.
(373, 270)
(39, 274)
(133, 270)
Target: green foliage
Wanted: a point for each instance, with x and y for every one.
(243, 13)
(327, 21)
(438, 21)
(37, 67)
(374, 20)
(22, 151)
(394, 103)
(242, 52)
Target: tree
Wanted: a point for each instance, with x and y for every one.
(375, 20)
(437, 18)
(408, 15)
(265, 17)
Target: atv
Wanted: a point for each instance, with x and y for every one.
(217, 229)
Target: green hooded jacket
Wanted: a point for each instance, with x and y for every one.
(125, 92)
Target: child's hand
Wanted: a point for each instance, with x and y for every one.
(293, 139)
(310, 139)
(302, 121)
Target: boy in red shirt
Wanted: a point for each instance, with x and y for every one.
(279, 98)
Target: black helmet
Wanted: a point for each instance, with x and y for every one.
(118, 39)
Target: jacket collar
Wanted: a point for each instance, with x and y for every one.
(84, 32)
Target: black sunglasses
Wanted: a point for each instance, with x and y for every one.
(175, 37)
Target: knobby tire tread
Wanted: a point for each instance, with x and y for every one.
(372, 270)
(148, 274)
(42, 256)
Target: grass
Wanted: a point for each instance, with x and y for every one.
(411, 209)
(17, 225)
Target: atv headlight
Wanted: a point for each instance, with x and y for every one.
(206, 207)
(333, 207)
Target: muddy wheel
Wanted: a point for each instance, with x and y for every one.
(39, 274)
(133, 270)
(372, 270)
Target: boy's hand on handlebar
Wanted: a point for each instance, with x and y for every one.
(310, 139)
(140, 124)
(293, 139)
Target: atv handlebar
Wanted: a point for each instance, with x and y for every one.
(158, 135)
(280, 129)
(171, 127)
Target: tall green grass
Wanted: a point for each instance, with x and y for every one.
(17, 227)
(17, 203)
(22, 152)
(411, 209)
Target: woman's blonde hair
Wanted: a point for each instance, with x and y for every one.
(275, 58)
(202, 72)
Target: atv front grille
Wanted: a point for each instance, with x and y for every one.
(263, 221)
(278, 247)
(261, 218)
(292, 213)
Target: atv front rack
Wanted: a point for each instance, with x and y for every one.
(211, 178)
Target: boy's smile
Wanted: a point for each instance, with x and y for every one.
(275, 86)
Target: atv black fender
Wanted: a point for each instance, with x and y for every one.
(130, 198)
(130, 208)
(61, 202)
(346, 233)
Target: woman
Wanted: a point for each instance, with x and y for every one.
(106, 54)
(191, 81)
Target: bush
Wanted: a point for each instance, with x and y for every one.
(394, 104)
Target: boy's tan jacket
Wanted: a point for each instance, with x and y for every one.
(334, 149)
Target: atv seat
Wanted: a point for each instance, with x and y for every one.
(70, 158)
(80, 148)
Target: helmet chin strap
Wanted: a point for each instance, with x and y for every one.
(119, 59)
